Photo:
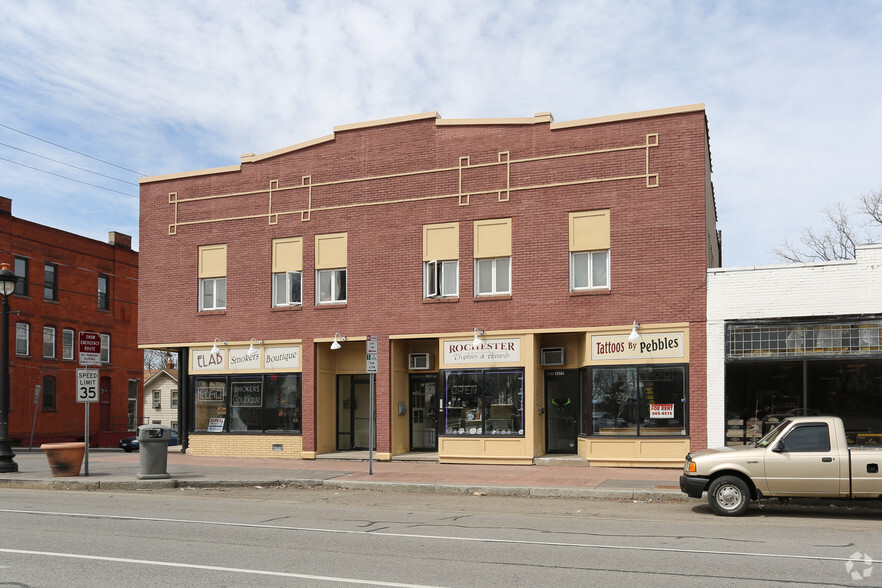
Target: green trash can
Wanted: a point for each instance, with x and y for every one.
(153, 449)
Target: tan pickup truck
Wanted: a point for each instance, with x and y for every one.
(801, 457)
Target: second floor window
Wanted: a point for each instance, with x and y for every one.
(105, 348)
(103, 292)
(589, 269)
(440, 279)
(67, 344)
(287, 288)
(212, 293)
(493, 276)
(22, 333)
(49, 342)
(50, 281)
(331, 286)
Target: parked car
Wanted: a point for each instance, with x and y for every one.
(130, 444)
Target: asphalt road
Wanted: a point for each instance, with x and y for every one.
(285, 536)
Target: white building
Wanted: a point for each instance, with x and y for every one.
(161, 397)
(786, 339)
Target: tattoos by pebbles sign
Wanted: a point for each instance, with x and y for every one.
(489, 351)
(266, 358)
(649, 346)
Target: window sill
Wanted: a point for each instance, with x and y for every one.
(597, 292)
(441, 300)
(289, 308)
(219, 312)
(492, 297)
(328, 305)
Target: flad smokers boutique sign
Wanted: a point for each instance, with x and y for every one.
(652, 346)
(489, 351)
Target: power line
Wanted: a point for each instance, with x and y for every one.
(72, 150)
(67, 178)
(69, 165)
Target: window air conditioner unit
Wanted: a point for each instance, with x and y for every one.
(553, 356)
(157, 404)
(419, 361)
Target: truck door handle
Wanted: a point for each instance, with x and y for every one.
(827, 459)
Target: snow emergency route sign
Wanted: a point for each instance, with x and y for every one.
(90, 348)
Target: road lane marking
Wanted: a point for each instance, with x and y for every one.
(436, 537)
(170, 564)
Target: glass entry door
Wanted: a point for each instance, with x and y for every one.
(424, 412)
(353, 412)
(561, 411)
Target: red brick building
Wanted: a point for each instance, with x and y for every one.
(535, 287)
(66, 285)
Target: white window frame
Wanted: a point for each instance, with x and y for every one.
(68, 339)
(334, 296)
(22, 338)
(157, 399)
(105, 347)
(173, 402)
(49, 342)
(284, 297)
(103, 292)
(494, 276)
(591, 259)
(215, 285)
(441, 279)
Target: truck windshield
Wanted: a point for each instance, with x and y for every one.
(773, 434)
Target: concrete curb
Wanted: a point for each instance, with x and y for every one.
(336, 484)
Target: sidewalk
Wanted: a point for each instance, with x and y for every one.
(111, 469)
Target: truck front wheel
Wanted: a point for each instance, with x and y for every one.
(728, 496)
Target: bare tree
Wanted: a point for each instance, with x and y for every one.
(155, 359)
(840, 234)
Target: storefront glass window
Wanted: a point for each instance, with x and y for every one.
(483, 402)
(637, 400)
(211, 403)
(248, 403)
(283, 403)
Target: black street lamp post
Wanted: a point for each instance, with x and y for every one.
(7, 286)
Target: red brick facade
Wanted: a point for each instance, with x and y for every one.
(380, 183)
(79, 263)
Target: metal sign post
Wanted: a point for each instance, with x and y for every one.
(87, 393)
(371, 362)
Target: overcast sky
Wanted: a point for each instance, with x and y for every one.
(793, 90)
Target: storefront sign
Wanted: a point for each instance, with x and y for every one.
(216, 425)
(240, 359)
(661, 411)
(282, 358)
(247, 394)
(489, 351)
(651, 346)
(206, 361)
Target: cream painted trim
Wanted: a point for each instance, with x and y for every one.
(331, 251)
(629, 116)
(287, 255)
(441, 242)
(386, 121)
(191, 345)
(213, 261)
(604, 330)
(492, 238)
(252, 158)
(190, 174)
(589, 230)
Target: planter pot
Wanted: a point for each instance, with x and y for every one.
(65, 459)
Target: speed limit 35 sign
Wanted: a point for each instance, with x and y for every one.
(87, 385)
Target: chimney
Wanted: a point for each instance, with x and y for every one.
(119, 239)
(170, 364)
(5, 205)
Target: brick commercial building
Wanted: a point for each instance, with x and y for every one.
(792, 339)
(535, 288)
(67, 285)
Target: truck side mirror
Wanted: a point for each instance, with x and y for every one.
(779, 447)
